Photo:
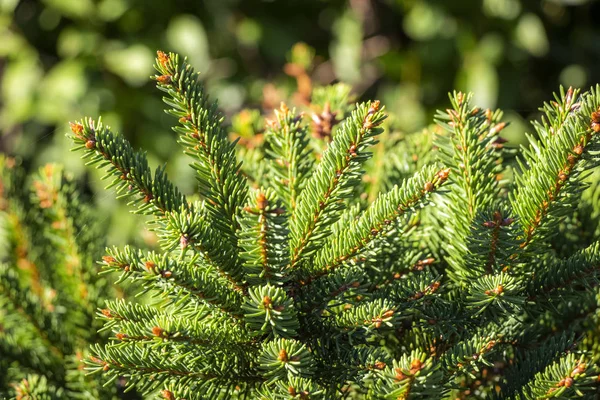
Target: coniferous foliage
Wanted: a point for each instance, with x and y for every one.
(312, 273)
(49, 286)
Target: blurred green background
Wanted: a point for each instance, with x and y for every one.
(64, 59)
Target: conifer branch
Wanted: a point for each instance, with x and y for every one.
(201, 132)
(290, 156)
(549, 182)
(263, 236)
(374, 222)
(319, 204)
(179, 280)
(472, 148)
(129, 169)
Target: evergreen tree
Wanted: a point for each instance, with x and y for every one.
(442, 272)
(49, 286)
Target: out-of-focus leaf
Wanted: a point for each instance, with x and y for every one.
(531, 35)
(110, 10)
(133, 63)
(480, 77)
(19, 84)
(506, 9)
(346, 47)
(60, 92)
(72, 8)
(186, 35)
(424, 21)
(73, 42)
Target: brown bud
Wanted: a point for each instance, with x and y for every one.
(352, 150)
(562, 176)
(596, 127)
(374, 107)
(399, 374)
(109, 260)
(266, 301)
(121, 336)
(416, 365)
(76, 128)
(443, 174)
(157, 331)
(283, 356)
(428, 187)
(90, 144)
(596, 116)
(261, 201)
(150, 265)
(434, 286)
(507, 221)
(166, 274)
(106, 312)
(569, 382)
(106, 367)
(163, 58)
(497, 128)
(427, 261)
(379, 365)
(164, 79)
(167, 395)
(183, 241)
(569, 95)
(388, 314)
(578, 149)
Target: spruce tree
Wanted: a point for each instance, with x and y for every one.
(50, 241)
(332, 266)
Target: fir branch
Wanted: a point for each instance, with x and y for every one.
(129, 169)
(472, 148)
(549, 183)
(189, 228)
(179, 280)
(289, 153)
(374, 223)
(582, 269)
(201, 132)
(29, 307)
(320, 204)
(263, 236)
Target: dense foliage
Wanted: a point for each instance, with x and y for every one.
(49, 286)
(328, 265)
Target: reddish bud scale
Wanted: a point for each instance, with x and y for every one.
(283, 356)
(150, 265)
(261, 201)
(157, 331)
(166, 274)
(374, 107)
(164, 79)
(167, 395)
(76, 128)
(90, 144)
(266, 301)
(163, 58)
(379, 365)
(109, 260)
